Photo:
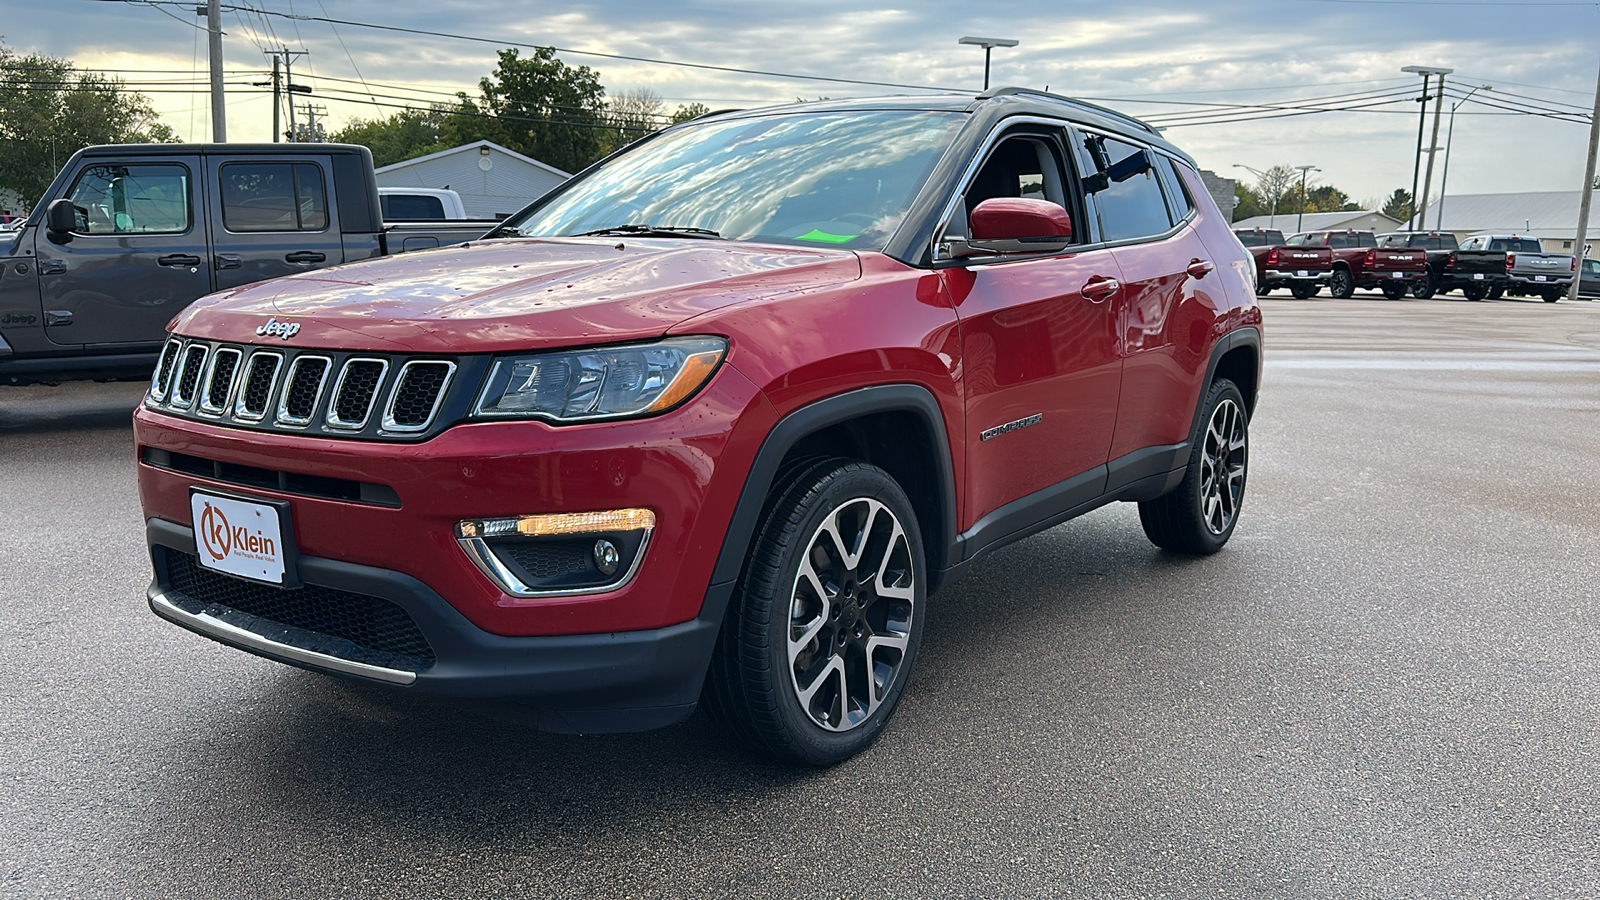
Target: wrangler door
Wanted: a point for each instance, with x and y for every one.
(272, 216)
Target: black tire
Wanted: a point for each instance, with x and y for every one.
(1262, 290)
(1303, 291)
(857, 631)
(1341, 285)
(1424, 289)
(1496, 292)
(1475, 291)
(1394, 290)
(1551, 295)
(1200, 515)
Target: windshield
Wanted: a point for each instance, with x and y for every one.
(841, 178)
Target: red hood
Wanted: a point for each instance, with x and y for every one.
(515, 294)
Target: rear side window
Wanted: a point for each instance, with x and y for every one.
(410, 207)
(1516, 245)
(1127, 191)
(273, 197)
(137, 199)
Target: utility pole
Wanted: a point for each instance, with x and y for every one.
(284, 86)
(219, 115)
(1588, 195)
(313, 133)
(1422, 120)
(1433, 148)
(1300, 221)
(1449, 139)
(277, 93)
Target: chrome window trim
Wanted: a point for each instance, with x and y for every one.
(239, 412)
(201, 406)
(387, 423)
(281, 416)
(180, 402)
(372, 402)
(477, 550)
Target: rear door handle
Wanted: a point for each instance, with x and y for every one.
(1200, 268)
(1100, 288)
(179, 259)
(305, 256)
(228, 261)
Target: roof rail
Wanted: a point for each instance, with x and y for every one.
(1071, 101)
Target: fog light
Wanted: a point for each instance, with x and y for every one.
(606, 557)
(558, 554)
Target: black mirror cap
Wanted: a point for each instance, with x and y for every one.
(59, 219)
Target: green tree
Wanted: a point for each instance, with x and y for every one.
(689, 111)
(538, 106)
(1327, 198)
(1398, 206)
(49, 110)
(405, 135)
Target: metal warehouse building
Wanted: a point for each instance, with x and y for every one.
(1550, 216)
(493, 182)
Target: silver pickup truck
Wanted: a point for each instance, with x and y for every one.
(1530, 272)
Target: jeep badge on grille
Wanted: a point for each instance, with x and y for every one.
(274, 328)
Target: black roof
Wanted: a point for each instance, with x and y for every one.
(253, 149)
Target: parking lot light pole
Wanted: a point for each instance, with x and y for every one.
(1298, 222)
(1449, 136)
(1272, 221)
(988, 45)
(1422, 120)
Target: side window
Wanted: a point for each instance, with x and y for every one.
(1299, 240)
(1019, 166)
(138, 199)
(273, 197)
(1177, 191)
(1365, 239)
(1127, 191)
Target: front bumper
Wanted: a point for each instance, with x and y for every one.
(623, 681)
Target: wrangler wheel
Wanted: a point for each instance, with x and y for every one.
(1199, 516)
(818, 645)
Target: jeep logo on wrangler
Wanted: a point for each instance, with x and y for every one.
(18, 319)
(274, 328)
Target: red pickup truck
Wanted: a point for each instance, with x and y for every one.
(1303, 270)
(1358, 261)
(709, 422)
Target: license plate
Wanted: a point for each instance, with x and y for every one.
(1399, 274)
(1538, 278)
(1302, 273)
(239, 537)
(1477, 276)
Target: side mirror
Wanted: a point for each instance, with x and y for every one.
(60, 217)
(1016, 225)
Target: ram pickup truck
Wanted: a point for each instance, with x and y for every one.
(413, 204)
(1475, 272)
(1303, 270)
(127, 236)
(1358, 261)
(1529, 271)
(709, 422)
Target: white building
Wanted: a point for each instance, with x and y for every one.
(493, 182)
(1550, 216)
(1350, 220)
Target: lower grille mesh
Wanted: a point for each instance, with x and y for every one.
(338, 623)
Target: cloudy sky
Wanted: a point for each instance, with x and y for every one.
(1157, 60)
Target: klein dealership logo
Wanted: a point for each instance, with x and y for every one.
(221, 539)
(274, 328)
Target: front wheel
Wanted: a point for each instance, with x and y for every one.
(1341, 285)
(1551, 295)
(819, 640)
(1475, 291)
(1394, 290)
(1424, 289)
(1303, 291)
(1496, 292)
(1200, 515)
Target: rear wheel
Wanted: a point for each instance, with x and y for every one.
(1262, 290)
(1200, 515)
(1303, 291)
(819, 641)
(1394, 290)
(1496, 292)
(1341, 285)
(1424, 289)
(1551, 295)
(1475, 291)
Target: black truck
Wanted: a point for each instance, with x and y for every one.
(129, 235)
(1477, 273)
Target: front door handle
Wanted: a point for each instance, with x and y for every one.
(1099, 288)
(182, 260)
(305, 256)
(228, 261)
(1200, 268)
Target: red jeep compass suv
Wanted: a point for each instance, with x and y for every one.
(709, 422)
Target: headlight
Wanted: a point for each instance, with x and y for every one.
(602, 383)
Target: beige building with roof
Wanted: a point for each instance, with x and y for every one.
(1349, 220)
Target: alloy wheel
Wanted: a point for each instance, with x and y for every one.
(850, 614)
(1222, 467)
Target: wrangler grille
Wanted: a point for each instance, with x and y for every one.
(327, 392)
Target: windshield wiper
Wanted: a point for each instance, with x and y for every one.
(653, 231)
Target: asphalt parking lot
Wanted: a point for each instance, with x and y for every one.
(1384, 687)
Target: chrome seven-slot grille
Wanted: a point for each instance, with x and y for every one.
(332, 393)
